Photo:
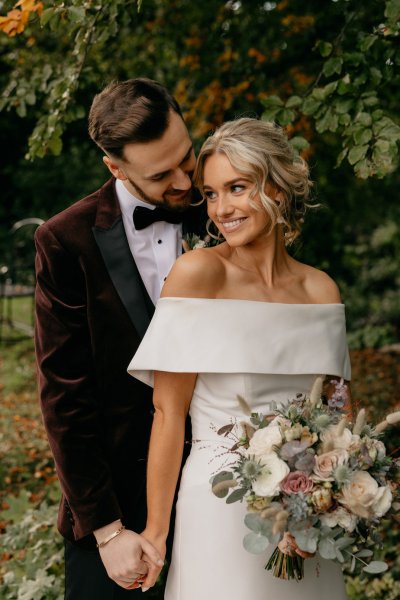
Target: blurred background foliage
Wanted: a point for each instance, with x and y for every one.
(327, 71)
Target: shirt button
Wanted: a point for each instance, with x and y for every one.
(159, 241)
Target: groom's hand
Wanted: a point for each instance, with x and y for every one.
(123, 556)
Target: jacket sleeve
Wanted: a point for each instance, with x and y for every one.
(67, 386)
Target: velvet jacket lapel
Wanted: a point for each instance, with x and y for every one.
(110, 237)
(109, 233)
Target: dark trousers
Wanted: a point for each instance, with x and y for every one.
(87, 579)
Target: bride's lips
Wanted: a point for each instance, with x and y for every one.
(232, 225)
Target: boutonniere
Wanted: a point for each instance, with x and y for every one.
(191, 241)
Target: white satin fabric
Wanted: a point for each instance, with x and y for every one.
(265, 352)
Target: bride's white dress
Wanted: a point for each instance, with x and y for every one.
(266, 352)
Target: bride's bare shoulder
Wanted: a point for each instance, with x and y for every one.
(320, 287)
(196, 274)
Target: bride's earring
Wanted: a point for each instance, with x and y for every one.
(218, 236)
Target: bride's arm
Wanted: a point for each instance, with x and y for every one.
(172, 395)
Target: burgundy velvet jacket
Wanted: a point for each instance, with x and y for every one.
(92, 311)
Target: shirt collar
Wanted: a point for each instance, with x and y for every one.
(127, 201)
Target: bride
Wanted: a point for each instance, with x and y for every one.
(243, 317)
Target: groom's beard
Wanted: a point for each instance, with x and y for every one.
(174, 200)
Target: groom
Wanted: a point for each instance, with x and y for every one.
(100, 265)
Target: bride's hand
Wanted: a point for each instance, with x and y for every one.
(159, 543)
(288, 546)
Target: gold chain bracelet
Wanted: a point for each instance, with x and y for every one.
(110, 537)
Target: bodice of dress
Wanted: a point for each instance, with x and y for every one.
(265, 352)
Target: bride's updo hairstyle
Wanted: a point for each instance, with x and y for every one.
(261, 152)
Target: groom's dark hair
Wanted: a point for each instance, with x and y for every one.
(129, 112)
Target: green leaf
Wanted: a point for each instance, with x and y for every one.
(367, 41)
(325, 48)
(237, 495)
(364, 119)
(344, 119)
(255, 543)
(307, 539)
(344, 105)
(46, 15)
(330, 88)
(77, 14)
(357, 153)
(362, 136)
(294, 102)
(376, 566)
(285, 116)
(270, 114)
(272, 101)
(326, 548)
(332, 65)
(329, 121)
(17, 506)
(310, 106)
(257, 524)
(299, 143)
(364, 553)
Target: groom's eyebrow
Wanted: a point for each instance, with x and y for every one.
(164, 173)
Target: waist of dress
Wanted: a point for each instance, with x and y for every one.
(219, 442)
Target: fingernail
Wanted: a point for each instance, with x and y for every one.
(145, 589)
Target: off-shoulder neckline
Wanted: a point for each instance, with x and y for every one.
(244, 300)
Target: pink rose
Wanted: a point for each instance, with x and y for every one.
(296, 482)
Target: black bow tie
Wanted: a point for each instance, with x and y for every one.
(143, 217)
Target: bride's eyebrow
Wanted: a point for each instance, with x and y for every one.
(228, 183)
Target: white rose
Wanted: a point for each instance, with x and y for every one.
(326, 463)
(274, 471)
(383, 501)
(359, 495)
(264, 440)
(340, 517)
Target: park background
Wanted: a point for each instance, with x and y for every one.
(326, 70)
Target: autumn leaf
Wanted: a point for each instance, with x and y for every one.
(16, 19)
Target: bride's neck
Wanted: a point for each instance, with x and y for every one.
(266, 257)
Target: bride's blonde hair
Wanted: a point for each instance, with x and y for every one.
(261, 151)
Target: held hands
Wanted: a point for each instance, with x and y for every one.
(157, 542)
(129, 559)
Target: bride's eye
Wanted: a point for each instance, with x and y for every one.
(237, 188)
(210, 195)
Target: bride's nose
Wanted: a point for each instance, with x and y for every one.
(224, 206)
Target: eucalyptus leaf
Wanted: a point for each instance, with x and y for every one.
(255, 543)
(236, 495)
(376, 566)
(326, 548)
(307, 539)
(364, 553)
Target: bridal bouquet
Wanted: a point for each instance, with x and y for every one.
(312, 481)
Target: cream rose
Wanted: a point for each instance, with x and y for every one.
(263, 441)
(326, 463)
(274, 471)
(362, 496)
(340, 517)
(332, 441)
(383, 501)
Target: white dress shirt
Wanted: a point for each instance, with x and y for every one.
(155, 248)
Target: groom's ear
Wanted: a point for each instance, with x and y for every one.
(114, 168)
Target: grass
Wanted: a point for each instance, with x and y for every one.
(32, 550)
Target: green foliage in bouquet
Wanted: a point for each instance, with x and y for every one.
(313, 482)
